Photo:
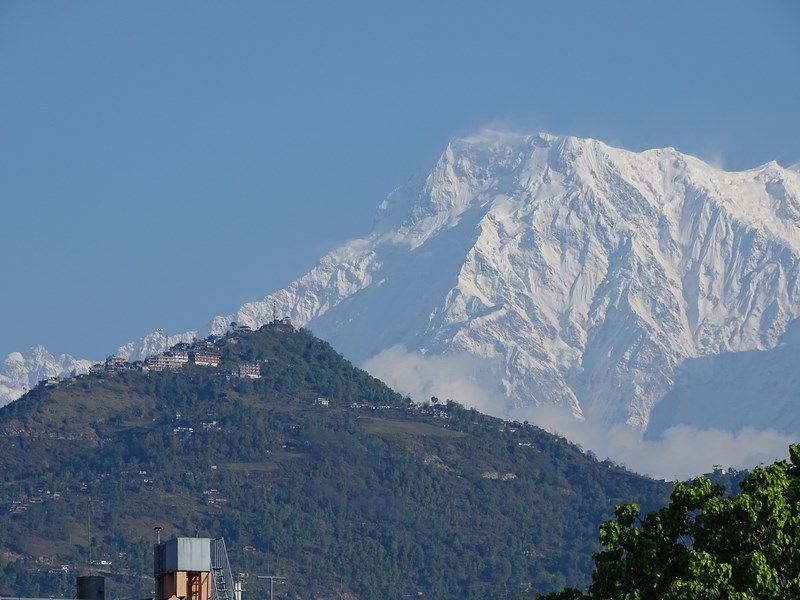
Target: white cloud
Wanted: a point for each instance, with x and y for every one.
(680, 453)
(451, 377)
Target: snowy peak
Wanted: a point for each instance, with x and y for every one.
(20, 372)
(579, 268)
(465, 169)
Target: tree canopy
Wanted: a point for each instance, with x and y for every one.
(704, 544)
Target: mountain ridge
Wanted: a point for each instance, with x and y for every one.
(581, 274)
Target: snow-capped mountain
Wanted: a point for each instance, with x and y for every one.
(576, 274)
(584, 274)
(20, 372)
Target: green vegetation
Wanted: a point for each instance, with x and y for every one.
(316, 471)
(704, 544)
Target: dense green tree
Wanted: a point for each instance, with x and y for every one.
(704, 544)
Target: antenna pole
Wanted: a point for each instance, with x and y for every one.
(89, 534)
(272, 579)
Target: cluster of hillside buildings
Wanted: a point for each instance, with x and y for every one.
(202, 353)
(199, 353)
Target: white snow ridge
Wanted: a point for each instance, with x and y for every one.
(584, 274)
(562, 272)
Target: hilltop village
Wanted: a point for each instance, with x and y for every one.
(201, 353)
(205, 353)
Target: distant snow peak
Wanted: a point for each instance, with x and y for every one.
(21, 372)
(153, 343)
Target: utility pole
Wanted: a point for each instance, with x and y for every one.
(272, 579)
(89, 534)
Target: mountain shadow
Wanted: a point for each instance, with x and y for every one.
(753, 387)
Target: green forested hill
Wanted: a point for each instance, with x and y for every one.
(369, 496)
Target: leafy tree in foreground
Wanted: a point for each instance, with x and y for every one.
(705, 546)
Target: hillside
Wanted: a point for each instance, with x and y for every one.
(315, 471)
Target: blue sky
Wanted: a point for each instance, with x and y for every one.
(161, 163)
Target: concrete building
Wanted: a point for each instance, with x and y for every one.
(204, 358)
(250, 370)
(172, 360)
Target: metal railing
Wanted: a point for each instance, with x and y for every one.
(222, 578)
